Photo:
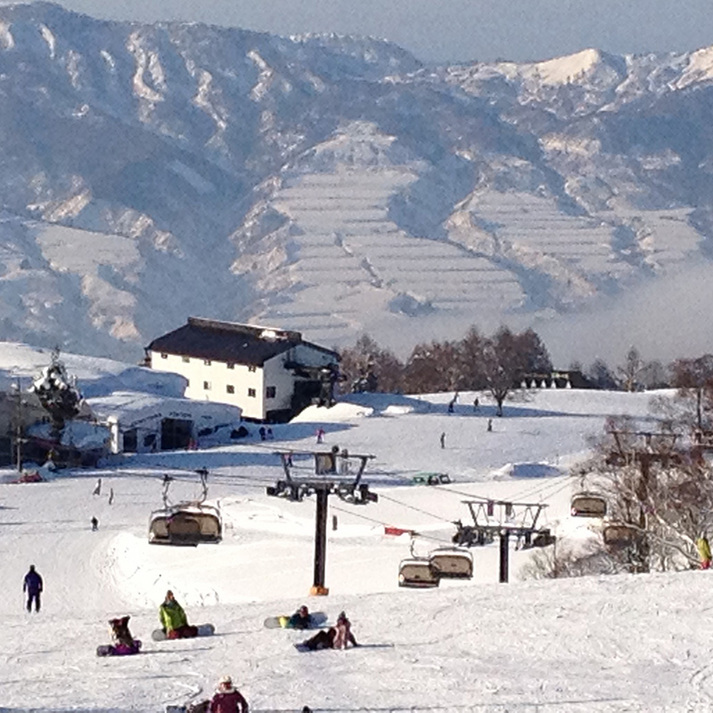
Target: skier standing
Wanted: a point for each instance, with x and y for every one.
(33, 586)
(704, 552)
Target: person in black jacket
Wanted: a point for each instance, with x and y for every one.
(33, 587)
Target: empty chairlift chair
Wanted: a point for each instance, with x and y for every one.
(620, 535)
(452, 563)
(185, 525)
(418, 573)
(588, 505)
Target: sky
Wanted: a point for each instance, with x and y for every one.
(452, 30)
(470, 646)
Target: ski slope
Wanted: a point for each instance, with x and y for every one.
(624, 643)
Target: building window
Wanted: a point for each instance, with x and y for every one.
(252, 393)
(231, 365)
(206, 385)
(230, 389)
(164, 355)
(207, 362)
(252, 368)
(270, 392)
(187, 360)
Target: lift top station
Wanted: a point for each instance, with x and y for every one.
(336, 472)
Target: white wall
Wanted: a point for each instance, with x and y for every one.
(219, 377)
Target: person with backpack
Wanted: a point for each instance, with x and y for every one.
(33, 586)
(174, 620)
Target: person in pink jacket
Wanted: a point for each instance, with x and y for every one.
(228, 699)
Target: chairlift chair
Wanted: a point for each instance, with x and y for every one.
(620, 534)
(186, 524)
(452, 563)
(588, 505)
(418, 573)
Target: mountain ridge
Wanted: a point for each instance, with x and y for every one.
(331, 184)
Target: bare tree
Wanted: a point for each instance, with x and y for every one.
(632, 368)
(503, 365)
(432, 367)
(657, 486)
(369, 367)
(694, 380)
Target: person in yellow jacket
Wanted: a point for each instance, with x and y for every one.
(174, 620)
(704, 552)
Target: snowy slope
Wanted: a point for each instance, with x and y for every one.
(635, 643)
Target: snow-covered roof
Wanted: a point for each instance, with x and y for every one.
(131, 408)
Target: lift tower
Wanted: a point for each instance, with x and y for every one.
(332, 476)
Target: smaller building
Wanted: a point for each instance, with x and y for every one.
(144, 423)
(270, 374)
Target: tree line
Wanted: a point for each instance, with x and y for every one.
(497, 364)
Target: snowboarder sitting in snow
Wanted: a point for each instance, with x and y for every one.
(124, 642)
(336, 637)
(228, 699)
(300, 619)
(173, 619)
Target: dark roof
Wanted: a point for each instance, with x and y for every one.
(229, 342)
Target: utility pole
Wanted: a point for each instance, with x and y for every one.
(352, 491)
(18, 424)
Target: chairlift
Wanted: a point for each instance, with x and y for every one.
(470, 536)
(543, 538)
(620, 535)
(418, 573)
(588, 505)
(187, 523)
(452, 563)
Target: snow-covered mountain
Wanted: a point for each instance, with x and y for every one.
(331, 184)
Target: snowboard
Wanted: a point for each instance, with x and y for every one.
(191, 708)
(203, 630)
(112, 650)
(201, 707)
(316, 619)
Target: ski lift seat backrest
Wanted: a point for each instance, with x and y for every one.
(619, 535)
(588, 505)
(451, 563)
(189, 526)
(418, 574)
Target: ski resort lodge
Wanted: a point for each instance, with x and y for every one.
(271, 374)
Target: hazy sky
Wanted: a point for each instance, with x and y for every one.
(452, 30)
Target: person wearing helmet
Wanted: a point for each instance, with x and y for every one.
(228, 699)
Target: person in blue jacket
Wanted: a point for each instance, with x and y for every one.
(33, 587)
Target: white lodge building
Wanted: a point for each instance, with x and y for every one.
(271, 374)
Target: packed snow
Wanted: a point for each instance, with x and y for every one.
(617, 643)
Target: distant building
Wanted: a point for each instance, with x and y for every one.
(571, 379)
(270, 374)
